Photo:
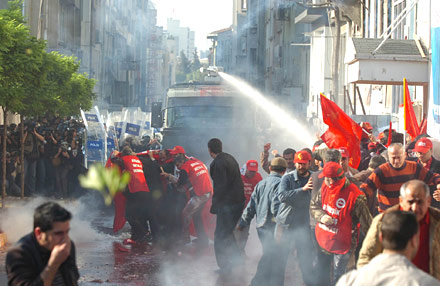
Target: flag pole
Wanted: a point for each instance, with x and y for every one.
(366, 132)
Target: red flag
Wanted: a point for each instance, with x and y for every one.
(424, 126)
(342, 130)
(409, 117)
(390, 134)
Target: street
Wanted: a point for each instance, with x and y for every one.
(103, 260)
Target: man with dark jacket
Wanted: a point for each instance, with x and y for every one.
(227, 203)
(46, 256)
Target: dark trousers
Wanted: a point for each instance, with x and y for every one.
(138, 212)
(266, 266)
(30, 176)
(226, 249)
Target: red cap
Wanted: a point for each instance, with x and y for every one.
(302, 157)
(177, 150)
(252, 165)
(332, 170)
(367, 126)
(423, 145)
(344, 152)
(371, 145)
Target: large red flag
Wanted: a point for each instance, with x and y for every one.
(409, 117)
(342, 130)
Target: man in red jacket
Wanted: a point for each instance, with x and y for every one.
(138, 209)
(194, 179)
(337, 207)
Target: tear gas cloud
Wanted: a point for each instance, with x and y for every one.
(17, 220)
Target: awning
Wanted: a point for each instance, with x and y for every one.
(395, 60)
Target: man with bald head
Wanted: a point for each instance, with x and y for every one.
(387, 179)
(414, 197)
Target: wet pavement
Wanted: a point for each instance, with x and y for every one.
(103, 260)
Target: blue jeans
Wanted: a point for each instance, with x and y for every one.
(304, 249)
(267, 268)
(226, 249)
(340, 262)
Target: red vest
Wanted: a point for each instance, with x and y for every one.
(249, 185)
(137, 180)
(338, 204)
(198, 176)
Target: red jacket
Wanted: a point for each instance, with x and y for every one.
(137, 180)
(249, 186)
(337, 203)
(198, 175)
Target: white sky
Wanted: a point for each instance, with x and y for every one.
(201, 16)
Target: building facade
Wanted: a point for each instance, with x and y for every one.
(117, 42)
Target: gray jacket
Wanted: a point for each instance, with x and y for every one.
(260, 204)
(294, 202)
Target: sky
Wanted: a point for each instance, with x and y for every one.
(201, 16)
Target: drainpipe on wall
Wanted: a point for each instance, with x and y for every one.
(336, 52)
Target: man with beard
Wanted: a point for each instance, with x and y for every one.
(293, 219)
(337, 207)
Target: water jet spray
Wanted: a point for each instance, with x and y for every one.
(291, 125)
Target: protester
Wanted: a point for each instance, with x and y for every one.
(399, 232)
(46, 256)
(414, 197)
(423, 151)
(227, 203)
(139, 209)
(387, 178)
(261, 206)
(288, 155)
(337, 207)
(171, 205)
(323, 261)
(293, 218)
(195, 181)
(250, 177)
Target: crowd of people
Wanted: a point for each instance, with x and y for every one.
(372, 225)
(53, 157)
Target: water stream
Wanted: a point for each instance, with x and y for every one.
(283, 120)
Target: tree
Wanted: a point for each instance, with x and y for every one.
(21, 57)
(183, 68)
(195, 65)
(34, 82)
